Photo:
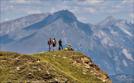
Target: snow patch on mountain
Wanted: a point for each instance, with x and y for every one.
(127, 32)
(114, 33)
(127, 54)
(123, 27)
(124, 62)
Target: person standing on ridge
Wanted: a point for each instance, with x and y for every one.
(49, 43)
(54, 42)
(60, 45)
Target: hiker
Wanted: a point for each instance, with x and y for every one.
(54, 42)
(60, 45)
(49, 43)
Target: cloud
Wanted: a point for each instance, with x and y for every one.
(33, 11)
(92, 2)
(95, 1)
(127, 1)
(22, 1)
(81, 8)
(19, 1)
(90, 10)
(6, 8)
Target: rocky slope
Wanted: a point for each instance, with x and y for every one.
(50, 67)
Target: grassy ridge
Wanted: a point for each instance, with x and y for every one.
(50, 67)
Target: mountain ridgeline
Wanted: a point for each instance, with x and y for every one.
(109, 43)
(50, 67)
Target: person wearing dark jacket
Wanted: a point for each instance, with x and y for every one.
(60, 45)
(49, 43)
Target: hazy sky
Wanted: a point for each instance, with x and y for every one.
(89, 11)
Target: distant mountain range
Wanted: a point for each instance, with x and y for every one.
(122, 78)
(109, 43)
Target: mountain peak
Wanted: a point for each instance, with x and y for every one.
(110, 18)
(65, 15)
(108, 21)
(64, 12)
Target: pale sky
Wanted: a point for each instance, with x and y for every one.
(88, 11)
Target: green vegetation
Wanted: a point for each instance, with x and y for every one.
(50, 67)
